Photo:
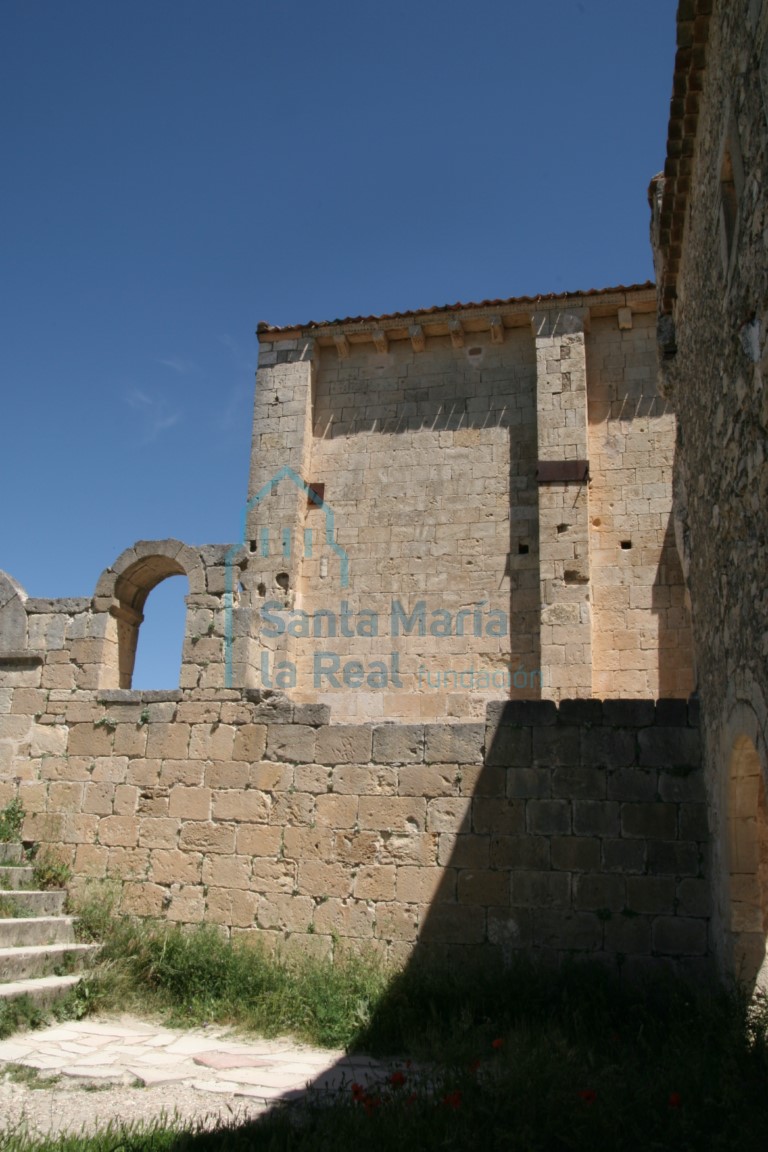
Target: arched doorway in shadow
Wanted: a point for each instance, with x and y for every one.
(160, 638)
(747, 864)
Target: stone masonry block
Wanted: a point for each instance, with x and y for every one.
(596, 892)
(596, 818)
(651, 894)
(521, 713)
(541, 889)
(405, 814)
(633, 784)
(556, 747)
(483, 886)
(398, 744)
(669, 747)
(343, 744)
(694, 822)
(426, 885)
(292, 742)
(498, 817)
(463, 851)
(375, 882)
(629, 935)
(250, 743)
(679, 936)
(581, 782)
(509, 747)
(657, 821)
(569, 931)
(580, 712)
(529, 783)
(190, 803)
(454, 743)
(672, 713)
(516, 852)
(673, 857)
(623, 855)
(629, 713)
(248, 806)
(547, 817)
(168, 741)
(454, 924)
(682, 786)
(693, 898)
(608, 747)
(428, 780)
(202, 836)
(449, 814)
(575, 853)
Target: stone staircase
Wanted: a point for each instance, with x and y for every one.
(39, 956)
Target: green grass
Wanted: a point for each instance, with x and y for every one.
(521, 1058)
(11, 820)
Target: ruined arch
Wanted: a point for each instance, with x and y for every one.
(13, 615)
(123, 589)
(747, 854)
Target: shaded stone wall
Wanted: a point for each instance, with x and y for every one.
(555, 830)
(711, 220)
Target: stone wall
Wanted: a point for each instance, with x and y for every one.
(512, 461)
(711, 223)
(555, 830)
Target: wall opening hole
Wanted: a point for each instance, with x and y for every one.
(252, 546)
(522, 548)
(596, 522)
(626, 544)
(161, 636)
(282, 580)
(475, 352)
(316, 495)
(262, 589)
(563, 527)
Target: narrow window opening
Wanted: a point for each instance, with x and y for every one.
(626, 544)
(522, 548)
(161, 636)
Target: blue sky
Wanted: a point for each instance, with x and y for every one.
(175, 172)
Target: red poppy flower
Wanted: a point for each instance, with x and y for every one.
(397, 1079)
(497, 1043)
(452, 1100)
(675, 1100)
(588, 1095)
(358, 1091)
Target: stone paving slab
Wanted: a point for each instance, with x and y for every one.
(207, 1059)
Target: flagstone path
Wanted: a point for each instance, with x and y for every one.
(136, 1070)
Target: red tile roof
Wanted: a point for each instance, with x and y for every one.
(264, 328)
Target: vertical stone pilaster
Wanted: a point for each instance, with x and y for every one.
(277, 498)
(561, 405)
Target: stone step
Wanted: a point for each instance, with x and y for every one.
(16, 877)
(34, 930)
(32, 903)
(11, 854)
(44, 960)
(41, 992)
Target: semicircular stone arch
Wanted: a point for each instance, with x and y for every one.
(123, 588)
